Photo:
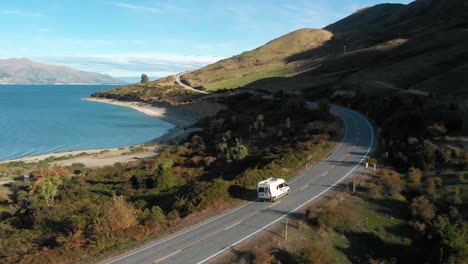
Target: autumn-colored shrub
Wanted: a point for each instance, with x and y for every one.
(422, 209)
(391, 181)
(262, 255)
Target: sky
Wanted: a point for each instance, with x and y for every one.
(125, 38)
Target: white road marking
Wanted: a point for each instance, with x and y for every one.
(323, 174)
(179, 234)
(170, 255)
(274, 204)
(303, 187)
(300, 206)
(233, 225)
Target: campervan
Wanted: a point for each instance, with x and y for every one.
(272, 189)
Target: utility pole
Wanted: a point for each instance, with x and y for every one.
(286, 233)
(354, 183)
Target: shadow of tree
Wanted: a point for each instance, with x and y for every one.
(242, 193)
(365, 246)
(391, 207)
(283, 256)
(242, 256)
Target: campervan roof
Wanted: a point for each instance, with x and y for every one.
(268, 181)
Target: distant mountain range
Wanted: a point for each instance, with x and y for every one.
(25, 71)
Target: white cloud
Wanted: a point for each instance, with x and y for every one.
(133, 64)
(46, 30)
(138, 8)
(21, 13)
(355, 7)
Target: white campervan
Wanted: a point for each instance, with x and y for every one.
(272, 188)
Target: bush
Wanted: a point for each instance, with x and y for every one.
(414, 178)
(422, 209)
(316, 253)
(391, 182)
(262, 255)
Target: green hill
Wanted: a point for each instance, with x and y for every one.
(416, 48)
(268, 60)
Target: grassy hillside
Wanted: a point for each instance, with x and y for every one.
(268, 60)
(390, 47)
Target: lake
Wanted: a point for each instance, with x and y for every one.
(40, 119)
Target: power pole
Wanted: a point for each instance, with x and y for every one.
(354, 183)
(286, 233)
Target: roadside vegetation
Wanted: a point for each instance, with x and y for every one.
(391, 218)
(75, 213)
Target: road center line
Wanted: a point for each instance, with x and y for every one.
(274, 204)
(303, 204)
(323, 174)
(170, 255)
(231, 226)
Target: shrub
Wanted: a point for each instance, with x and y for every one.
(115, 214)
(316, 253)
(422, 209)
(414, 178)
(391, 182)
(262, 255)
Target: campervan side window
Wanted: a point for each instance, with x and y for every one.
(281, 186)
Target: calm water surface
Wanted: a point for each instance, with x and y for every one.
(40, 119)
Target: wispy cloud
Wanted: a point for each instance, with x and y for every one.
(355, 7)
(46, 30)
(133, 64)
(138, 8)
(21, 13)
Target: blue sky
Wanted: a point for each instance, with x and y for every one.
(126, 38)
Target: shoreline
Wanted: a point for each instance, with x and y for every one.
(163, 113)
(107, 155)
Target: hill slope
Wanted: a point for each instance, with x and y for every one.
(25, 71)
(420, 46)
(265, 61)
(394, 47)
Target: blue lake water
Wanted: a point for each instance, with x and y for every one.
(40, 119)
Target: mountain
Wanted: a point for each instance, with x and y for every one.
(265, 61)
(25, 71)
(419, 46)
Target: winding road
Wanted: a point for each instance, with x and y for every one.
(177, 78)
(205, 242)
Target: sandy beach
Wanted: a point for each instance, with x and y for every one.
(109, 156)
(166, 114)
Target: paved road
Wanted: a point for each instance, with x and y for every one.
(177, 77)
(207, 241)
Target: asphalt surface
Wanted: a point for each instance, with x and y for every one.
(177, 77)
(205, 242)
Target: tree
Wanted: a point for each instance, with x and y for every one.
(239, 151)
(422, 209)
(48, 189)
(414, 177)
(115, 214)
(165, 177)
(391, 181)
(287, 123)
(324, 105)
(257, 126)
(452, 241)
(144, 78)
